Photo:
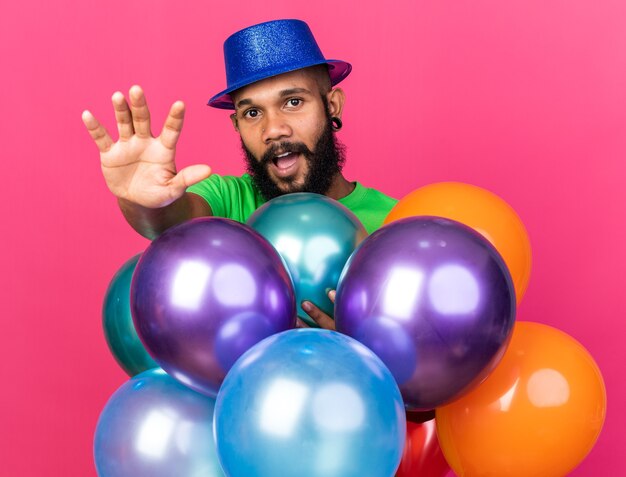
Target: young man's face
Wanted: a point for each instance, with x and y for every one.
(286, 133)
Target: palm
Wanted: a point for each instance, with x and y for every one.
(140, 170)
(139, 167)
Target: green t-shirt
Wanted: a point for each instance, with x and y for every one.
(236, 198)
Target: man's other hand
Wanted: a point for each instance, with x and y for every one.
(322, 319)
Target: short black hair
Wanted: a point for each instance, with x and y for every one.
(321, 77)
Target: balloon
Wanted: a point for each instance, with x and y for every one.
(309, 402)
(539, 412)
(315, 235)
(434, 300)
(155, 427)
(480, 209)
(117, 322)
(203, 293)
(422, 455)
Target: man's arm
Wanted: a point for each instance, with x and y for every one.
(140, 170)
(151, 222)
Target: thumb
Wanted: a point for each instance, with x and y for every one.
(190, 175)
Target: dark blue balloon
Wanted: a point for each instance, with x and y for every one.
(434, 300)
(309, 402)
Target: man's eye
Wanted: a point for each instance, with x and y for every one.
(294, 102)
(251, 113)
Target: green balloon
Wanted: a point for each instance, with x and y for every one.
(315, 236)
(117, 322)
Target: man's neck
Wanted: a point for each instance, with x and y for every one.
(340, 187)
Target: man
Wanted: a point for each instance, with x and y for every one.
(286, 112)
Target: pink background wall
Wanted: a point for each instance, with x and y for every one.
(523, 97)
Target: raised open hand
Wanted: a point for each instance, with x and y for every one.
(139, 167)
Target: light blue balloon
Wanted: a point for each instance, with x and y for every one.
(309, 403)
(315, 235)
(154, 426)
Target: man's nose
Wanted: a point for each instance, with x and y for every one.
(275, 128)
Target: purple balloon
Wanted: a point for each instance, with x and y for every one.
(434, 300)
(205, 292)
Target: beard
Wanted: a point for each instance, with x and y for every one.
(325, 162)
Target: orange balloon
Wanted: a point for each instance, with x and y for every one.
(480, 209)
(539, 413)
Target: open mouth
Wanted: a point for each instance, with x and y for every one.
(284, 163)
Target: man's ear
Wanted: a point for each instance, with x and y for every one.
(336, 97)
(233, 118)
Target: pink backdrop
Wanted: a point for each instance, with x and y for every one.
(523, 97)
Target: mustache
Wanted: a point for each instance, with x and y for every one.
(283, 147)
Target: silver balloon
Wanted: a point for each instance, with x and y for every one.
(155, 427)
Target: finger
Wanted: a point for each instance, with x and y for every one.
(139, 111)
(331, 295)
(122, 116)
(190, 175)
(321, 318)
(301, 324)
(173, 125)
(97, 132)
